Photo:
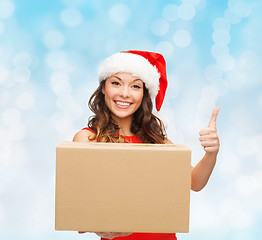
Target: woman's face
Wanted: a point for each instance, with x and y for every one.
(123, 94)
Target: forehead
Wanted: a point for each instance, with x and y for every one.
(127, 77)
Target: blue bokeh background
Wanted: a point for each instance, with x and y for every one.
(50, 52)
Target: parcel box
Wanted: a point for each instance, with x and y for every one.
(109, 187)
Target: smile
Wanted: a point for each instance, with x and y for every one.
(120, 103)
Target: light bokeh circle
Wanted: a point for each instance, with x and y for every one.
(7, 8)
(182, 38)
(160, 27)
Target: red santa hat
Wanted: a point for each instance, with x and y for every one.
(150, 67)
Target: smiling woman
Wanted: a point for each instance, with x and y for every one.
(123, 113)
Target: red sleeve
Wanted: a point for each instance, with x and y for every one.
(86, 128)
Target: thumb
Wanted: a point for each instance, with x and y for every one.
(213, 119)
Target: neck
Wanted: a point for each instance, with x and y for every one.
(124, 125)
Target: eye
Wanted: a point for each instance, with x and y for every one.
(116, 83)
(136, 86)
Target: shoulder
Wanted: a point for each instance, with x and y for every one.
(83, 135)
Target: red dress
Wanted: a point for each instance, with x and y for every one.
(142, 236)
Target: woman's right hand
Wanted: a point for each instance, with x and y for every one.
(110, 235)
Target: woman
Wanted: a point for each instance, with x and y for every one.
(123, 113)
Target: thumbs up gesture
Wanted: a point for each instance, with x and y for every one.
(208, 136)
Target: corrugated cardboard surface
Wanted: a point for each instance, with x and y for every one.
(105, 187)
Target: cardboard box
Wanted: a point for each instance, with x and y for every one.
(108, 187)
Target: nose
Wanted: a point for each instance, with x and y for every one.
(125, 92)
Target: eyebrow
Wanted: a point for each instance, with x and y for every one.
(132, 81)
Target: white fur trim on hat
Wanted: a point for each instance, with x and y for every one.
(134, 64)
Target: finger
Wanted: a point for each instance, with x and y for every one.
(209, 144)
(207, 131)
(213, 119)
(208, 137)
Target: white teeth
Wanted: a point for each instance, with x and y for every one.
(123, 103)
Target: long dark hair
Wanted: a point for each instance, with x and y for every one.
(145, 125)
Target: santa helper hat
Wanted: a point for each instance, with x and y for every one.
(150, 67)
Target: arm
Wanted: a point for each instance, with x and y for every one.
(209, 140)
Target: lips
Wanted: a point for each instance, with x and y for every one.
(122, 104)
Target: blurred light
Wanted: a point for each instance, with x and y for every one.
(213, 72)
(5, 139)
(221, 23)
(240, 7)
(169, 12)
(165, 48)
(19, 155)
(18, 131)
(226, 63)
(11, 116)
(59, 77)
(229, 164)
(219, 50)
(249, 59)
(71, 17)
(119, 13)
(260, 100)
(25, 100)
(2, 214)
(258, 179)
(4, 96)
(201, 5)
(210, 94)
(56, 59)
(6, 77)
(241, 119)
(63, 124)
(221, 85)
(232, 17)
(5, 157)
(7, 8)
(160, 27)
(62, 88)
(174, 86)
(69, 107)
(235, 214)
(2, 188)
(205, 106)
(60, 83)
(246, 185)
(22, 74)
(182, 38)
(2, 27)
(22, 59)
(186, 11)
(191, 2)
(249, 146)
(54, 39)
(74, 3)
(63, 102)
(221, 36)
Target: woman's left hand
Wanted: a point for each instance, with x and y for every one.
(111, 235)
(208, 136)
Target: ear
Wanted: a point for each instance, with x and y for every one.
(103, 89)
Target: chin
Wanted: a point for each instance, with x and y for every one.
(123, 115)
